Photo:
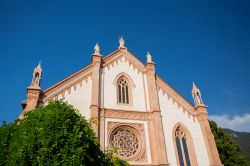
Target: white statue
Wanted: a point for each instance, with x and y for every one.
(149, 57)
(97, 49)
(122, 43)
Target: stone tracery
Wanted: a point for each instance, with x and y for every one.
(126, 142)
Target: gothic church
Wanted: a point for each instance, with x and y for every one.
(138, 112)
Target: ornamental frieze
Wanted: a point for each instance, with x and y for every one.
(121, 114)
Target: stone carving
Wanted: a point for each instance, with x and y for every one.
(97, 49)
(122, 43)
(128, 139)
(180, 133)
(127, 114)
(126, 142)
(149, 57)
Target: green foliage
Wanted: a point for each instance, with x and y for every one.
(228, 150)
(52, 135)
(241, 138)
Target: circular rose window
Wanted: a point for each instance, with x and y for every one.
(126, 140)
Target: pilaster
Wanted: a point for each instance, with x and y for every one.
(157, 145)
(102, 129)
(208, 136)
(96, 63)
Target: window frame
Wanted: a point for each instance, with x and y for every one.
(189, 146)
(129, 91)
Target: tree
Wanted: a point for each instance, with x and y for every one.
(55, 134)
(228, 150)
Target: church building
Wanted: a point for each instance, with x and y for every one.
(138, 113)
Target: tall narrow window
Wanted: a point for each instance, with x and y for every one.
(123, 95)
(181, 142)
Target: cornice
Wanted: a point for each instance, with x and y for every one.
(118, 55)
(171, 92)
(67, 83)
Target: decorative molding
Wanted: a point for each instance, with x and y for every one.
(118, 55)
(68, 83)
(126, 75)
(176, 97)
(133, 115)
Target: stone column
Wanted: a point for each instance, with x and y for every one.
(208, 136)
(96, 63)
(156, 136)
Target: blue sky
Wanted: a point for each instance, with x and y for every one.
(203, 41)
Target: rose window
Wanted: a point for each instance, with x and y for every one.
(125, 141)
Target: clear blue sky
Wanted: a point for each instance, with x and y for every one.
(203, 41)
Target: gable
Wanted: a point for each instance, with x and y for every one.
(121, 66)
(117, 56)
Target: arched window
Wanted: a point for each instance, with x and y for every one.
(123, 91)
(185, 153)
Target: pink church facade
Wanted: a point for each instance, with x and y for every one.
(139, 113)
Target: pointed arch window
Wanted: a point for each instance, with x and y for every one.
(185, 154)
(123, 91)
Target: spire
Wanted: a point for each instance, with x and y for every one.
(196, 94)
(194, 86)
(97, 49)
(33, 91)
(39, 66)
(37, 75)
(149, 57)
(121, 43)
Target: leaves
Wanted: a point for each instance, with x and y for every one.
(55, 134)
(228, 150)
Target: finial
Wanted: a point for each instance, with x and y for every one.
(149, 57)
(39, 66)
(196, 94)
(37, 75)
(121, 43)
(194, 86)
(97, 49)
